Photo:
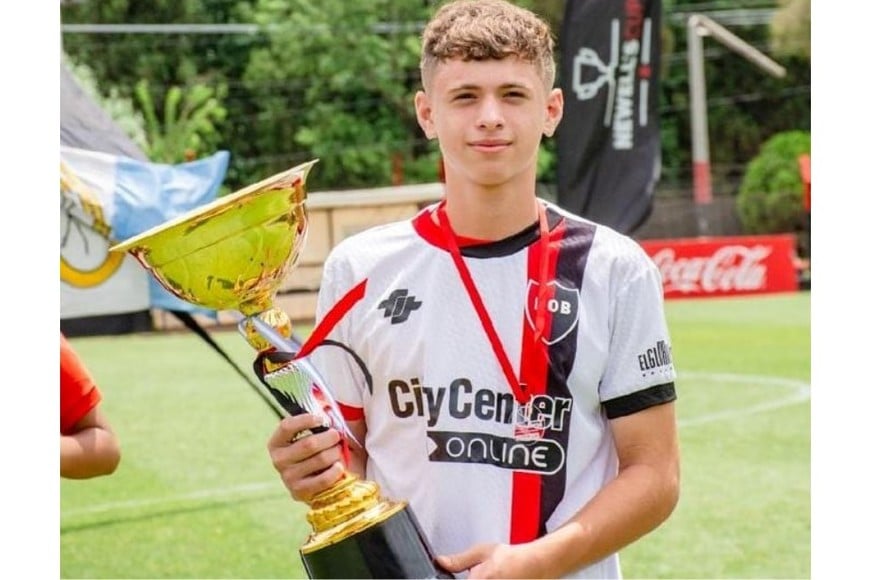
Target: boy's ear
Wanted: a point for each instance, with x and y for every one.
(424, 114)
(555, 107)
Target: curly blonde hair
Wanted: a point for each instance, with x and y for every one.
(487, 30)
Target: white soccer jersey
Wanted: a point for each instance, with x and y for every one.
(444, 429)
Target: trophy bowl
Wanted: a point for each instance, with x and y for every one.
(233, 254)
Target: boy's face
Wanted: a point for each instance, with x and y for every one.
(489, 117)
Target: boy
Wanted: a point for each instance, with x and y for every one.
(513, 378)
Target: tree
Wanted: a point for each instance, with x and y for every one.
(334, 79)
(790, 29)
(745, 106)
(120, 60)
(188, 128)
(770, 199)
(347, 73)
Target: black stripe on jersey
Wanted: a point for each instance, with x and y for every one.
(357, 359)
(634, 402)
(570, 267)
(511, 244)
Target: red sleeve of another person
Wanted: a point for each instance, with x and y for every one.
(78, 392)
(804, 164)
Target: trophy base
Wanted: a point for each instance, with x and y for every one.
(393, 547)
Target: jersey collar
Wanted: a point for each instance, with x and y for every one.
(426, 228)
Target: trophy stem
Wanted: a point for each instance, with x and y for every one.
(275, 320)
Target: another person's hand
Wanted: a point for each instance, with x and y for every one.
(496, 561)
(307, 465)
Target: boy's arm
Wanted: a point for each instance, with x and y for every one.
(636, 501)
(639, 499)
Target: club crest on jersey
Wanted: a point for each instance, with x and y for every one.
(563, 307)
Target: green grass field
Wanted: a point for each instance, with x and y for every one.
(196, 497)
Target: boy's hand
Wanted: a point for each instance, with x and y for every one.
(308, 464)
(495, 561)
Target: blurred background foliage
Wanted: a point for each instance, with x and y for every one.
(279, 82)
(771, 196)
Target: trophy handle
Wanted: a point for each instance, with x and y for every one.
(293, 381)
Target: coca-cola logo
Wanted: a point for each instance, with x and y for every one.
(733, 268)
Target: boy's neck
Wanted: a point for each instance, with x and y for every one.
(490, 214)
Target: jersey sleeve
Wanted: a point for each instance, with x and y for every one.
(78, 391)
(640, 372)
(337, 363)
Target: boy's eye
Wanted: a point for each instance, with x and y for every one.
(463, 96)
(515, 94)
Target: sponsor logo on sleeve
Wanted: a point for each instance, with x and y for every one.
(655, 359)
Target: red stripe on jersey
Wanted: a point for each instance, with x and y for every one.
(333, 317)
(534, 366)
(351, 413)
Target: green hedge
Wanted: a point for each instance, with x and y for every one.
(770, 199)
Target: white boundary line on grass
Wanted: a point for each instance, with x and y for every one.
(228, 492)
(800, 392)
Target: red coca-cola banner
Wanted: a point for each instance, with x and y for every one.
(694, 267)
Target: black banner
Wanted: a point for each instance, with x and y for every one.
(608, 147)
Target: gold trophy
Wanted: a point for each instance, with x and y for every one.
(233, 254)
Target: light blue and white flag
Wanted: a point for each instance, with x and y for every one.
(107, 199)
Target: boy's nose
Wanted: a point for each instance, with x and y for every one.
(490, 114)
